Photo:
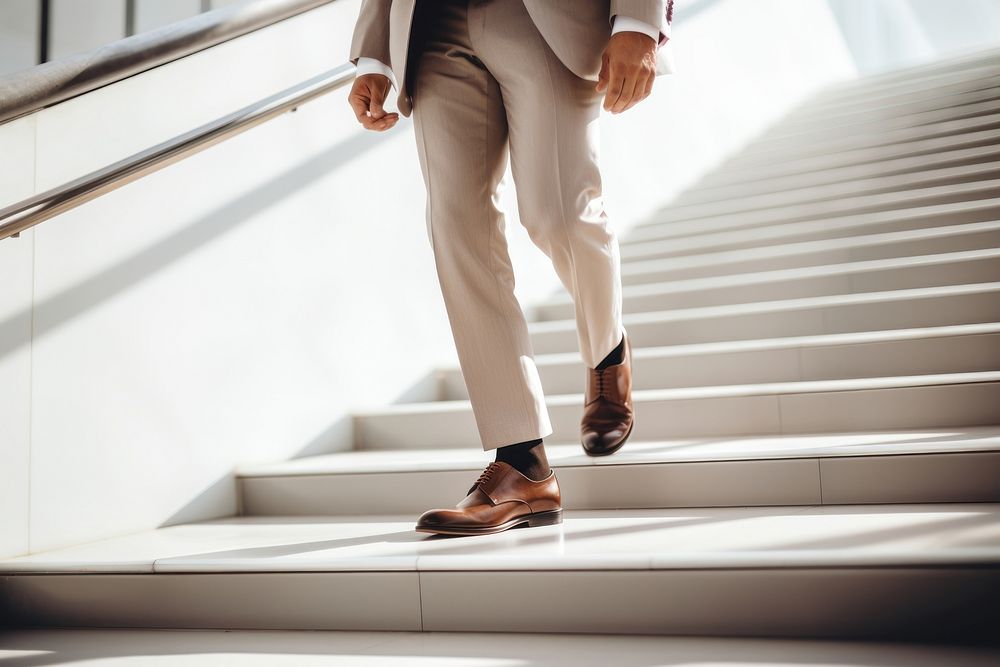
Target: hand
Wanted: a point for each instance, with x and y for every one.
(628, 69)
(367, 97)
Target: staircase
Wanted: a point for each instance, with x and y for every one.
(816, 331)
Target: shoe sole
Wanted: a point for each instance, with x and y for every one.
(618, 445)
(549, 518)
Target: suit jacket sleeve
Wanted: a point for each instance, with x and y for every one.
(371, 32)
(655, 12)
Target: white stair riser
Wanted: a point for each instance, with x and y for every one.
(952, 106)
(933, 87)
(963, 150)
(923, 77)
(939, 477)
(879, 314)
(845, 150)
(962, 199)
(969, 404)
(904, 356)
(862, 126)
(835, 193)
(794, 172)
(249, 600)
(943, 603)
(851, 115)
(667, 269)
(957, 66)
(926, 275)
(841, 150)
(939, 219)
(848, 602)
(860, 116)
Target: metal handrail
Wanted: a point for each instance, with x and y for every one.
(36, 209)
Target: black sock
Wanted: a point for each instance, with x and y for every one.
(527, 457)
(614, 357)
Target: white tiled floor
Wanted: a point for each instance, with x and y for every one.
(610, 539)
(189, 648)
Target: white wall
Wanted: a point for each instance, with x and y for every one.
(82, 25)
(888, 34)
(150, 14)
(16, 182)
(18, 35)
(238, 306)
(234, 308)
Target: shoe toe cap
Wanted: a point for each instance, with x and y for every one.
(437, 518)
(601, 442)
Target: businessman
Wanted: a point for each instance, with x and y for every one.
(524, 80)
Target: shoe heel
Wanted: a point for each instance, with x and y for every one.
(550, 518)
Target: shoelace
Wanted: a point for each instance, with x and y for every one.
(600, 384)
(487, 473)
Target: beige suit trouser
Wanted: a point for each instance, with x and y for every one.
(486, 85)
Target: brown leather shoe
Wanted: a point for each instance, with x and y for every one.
(607, 409)
(500, 499)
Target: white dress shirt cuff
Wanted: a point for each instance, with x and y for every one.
(374, 66)
(623, 23)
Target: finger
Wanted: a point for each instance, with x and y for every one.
(643, 86)
(375, 106)
(628, 85)
(639, 91)
(631, 91)
(361, 111)
(616, 81)
(648, 90)
(386, 122)
(602, 76)
(628, 90)
(359, 104)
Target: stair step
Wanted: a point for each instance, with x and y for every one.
(975, 203)
(661, 227)
(841, 313)
(291, 648)
(882, 571)
(987, 57)
(901, 149)
(951, 106)
(836, 194)
(661, 265)
(953, 268)
(862, 124)
(860, 168)
(847, 152)
(913, 401)
(667, 241)
(839, 151)
(959, 348)
(926, 465)
(901, 95)
(940, 84)
(970, 73)
(916, 75)
(905, 105)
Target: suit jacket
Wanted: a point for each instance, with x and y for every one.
(576, 30)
